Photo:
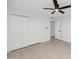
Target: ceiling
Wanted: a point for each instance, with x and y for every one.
(34, 8)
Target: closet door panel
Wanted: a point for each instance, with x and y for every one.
(39, 30)
(18, 32)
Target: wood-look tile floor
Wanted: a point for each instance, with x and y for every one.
(54, 49)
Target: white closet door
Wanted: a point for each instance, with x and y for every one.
(57, 29)
(23, 32)
(18, 32)
(39, 30)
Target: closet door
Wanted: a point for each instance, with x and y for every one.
(39, 30)
(18, 32)
(23, 32)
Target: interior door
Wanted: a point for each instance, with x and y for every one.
(58, 29)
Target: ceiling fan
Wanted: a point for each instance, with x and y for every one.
(57, 8)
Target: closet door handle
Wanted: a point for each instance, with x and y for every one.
(46, 27)
(59, 31)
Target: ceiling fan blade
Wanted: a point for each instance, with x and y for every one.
(68, 6)
(61, 11)
(49, 8)
(53, 12)
(56, 4)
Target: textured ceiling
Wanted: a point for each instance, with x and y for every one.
(34, 8)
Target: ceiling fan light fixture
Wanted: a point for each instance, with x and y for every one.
(56, 10)
(57, 7)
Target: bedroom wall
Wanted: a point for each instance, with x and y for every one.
(66, 29)
(26, 31)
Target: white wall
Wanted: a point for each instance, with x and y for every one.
(65, 28)
(26, 31)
